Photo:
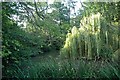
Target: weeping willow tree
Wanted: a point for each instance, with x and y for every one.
(95, 38)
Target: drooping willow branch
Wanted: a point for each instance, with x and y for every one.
(94, 40)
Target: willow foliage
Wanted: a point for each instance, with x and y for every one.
(94, 38)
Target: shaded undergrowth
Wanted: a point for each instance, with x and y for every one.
(66, 68)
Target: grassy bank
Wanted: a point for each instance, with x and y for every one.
(57, 68)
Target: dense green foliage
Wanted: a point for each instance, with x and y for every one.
(94, 38)
(33, 29)
(34, 39)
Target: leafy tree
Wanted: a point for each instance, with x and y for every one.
(98, 31)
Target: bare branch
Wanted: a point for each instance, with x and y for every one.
(38, 13)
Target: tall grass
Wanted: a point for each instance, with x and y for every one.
(65, 69)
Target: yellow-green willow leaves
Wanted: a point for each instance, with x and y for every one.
(94, 38)
(89, 47)
(116, 55)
